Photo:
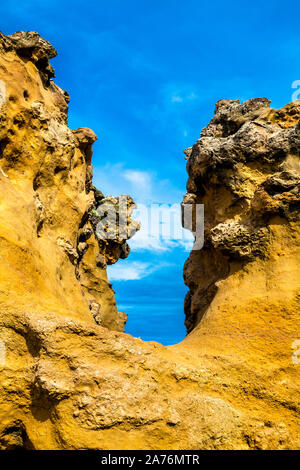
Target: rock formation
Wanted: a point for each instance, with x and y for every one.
(245, 169)
(48, 200)
(69, 377)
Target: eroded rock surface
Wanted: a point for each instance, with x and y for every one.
(67, 381)
(47, 196)
(245, 170)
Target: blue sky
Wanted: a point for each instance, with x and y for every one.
(145, 76)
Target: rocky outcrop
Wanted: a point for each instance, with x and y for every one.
(67, 381)
(29, 45)
(48, 199)
(245, 170)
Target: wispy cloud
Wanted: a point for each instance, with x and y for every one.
(158, 207)
(129, 272)
(171, 109)
(161, 229)
(144, 186)
(176, 99)
(138, 178)
(181, 95)
(141, 242)
(133, 270)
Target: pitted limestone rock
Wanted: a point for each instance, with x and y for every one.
(239, 241)
(69, 377)
(245, 170)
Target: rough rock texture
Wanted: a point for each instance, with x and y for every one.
(49, 247)
(245, 169)
(66, 381)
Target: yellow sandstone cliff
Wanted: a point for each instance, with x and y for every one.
(69, 377)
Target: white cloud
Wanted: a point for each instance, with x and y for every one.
(176, 99)
(182, 96)
(141, 179)
(157, 245)
(132, 270)
(158, 209)
(144, 242)
(178, 93)
(143, 186)
(161, 229)
(129, 271)
(192, 96)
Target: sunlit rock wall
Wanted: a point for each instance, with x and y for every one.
(66, 380)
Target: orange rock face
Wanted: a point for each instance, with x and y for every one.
(47, 194)
(69, 377)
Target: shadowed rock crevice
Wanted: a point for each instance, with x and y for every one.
(14, 437)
